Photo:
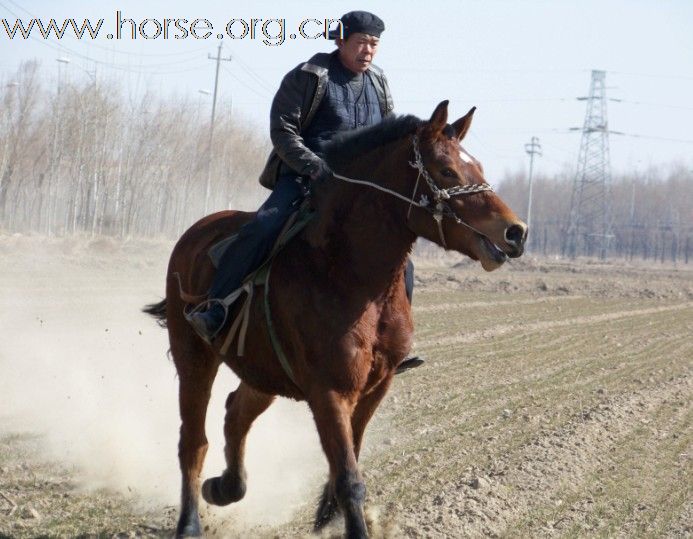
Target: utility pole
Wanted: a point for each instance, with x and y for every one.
(590, 223)
(208, 186)
(61, 60)
(55, 154)
(532, 148)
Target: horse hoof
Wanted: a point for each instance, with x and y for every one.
(327, 509)
(223, 490)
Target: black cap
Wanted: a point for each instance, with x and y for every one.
(358, 21)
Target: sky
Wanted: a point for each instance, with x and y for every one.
(521, 63)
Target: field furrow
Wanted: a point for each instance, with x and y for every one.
(555, 401)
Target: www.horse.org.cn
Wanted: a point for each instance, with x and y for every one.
(271, 31)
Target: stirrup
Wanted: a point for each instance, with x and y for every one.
(203, 307)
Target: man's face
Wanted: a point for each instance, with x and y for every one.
(357, 51)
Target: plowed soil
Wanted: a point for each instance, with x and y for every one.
(556, 400)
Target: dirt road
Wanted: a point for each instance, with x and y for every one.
(556, 401)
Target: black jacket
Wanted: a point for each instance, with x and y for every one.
(294, 107)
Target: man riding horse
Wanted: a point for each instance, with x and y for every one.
(335, 331)
(329, 94)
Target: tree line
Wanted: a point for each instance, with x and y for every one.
(651, 213)
(83, 158)
(88, 159)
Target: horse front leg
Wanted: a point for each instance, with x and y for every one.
(243, 406)
(365, 409)
(332, 412)
(196, 375)
(328, 506)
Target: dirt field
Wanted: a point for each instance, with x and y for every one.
(556, 401)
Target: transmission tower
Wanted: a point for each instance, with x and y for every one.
(589, 229)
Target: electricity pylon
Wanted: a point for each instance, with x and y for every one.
(589, 229)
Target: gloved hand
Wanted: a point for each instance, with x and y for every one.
(320, 172)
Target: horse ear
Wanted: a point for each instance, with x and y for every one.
(462, 125)
(439, 118)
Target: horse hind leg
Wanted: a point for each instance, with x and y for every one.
(243, 406)
(197, 367)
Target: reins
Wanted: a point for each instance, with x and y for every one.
(439, 208)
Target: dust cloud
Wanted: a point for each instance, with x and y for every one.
(82, 367)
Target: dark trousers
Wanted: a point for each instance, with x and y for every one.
(256, 239)
(409, 280)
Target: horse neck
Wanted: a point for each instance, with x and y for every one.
(370, 239)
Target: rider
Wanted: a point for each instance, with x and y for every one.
(331, 92)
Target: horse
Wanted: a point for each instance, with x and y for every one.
(337, 301)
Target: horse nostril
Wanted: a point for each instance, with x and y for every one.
(515, 235)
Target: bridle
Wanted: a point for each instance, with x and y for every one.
(438, 207)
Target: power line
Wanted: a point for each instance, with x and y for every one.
(633, 135)
(265, 85)
(495, 100)
(651, 75)
(474, 134)
(648, 104)
(560, 148)
(467, 70)
(666, 139)
(248, 86)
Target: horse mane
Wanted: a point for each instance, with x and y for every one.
(333, 199)
(344, 147)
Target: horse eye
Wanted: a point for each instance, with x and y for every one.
(448, 173)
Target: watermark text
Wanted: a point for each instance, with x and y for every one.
(271, 32)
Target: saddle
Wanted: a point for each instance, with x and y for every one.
(260, 277)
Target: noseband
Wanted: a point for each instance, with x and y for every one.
(438, 208)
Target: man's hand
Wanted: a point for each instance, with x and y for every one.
(320, 172)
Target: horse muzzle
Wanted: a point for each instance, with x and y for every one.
(515, 237)
(493, 255)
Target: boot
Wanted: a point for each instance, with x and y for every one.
(207, 324)
(409, 363)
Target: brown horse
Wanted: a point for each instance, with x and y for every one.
(337, 300)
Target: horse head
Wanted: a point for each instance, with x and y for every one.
(457, 208)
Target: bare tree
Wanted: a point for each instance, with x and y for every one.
(652, 211)
(82, 159)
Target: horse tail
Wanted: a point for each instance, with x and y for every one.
(158, 311)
